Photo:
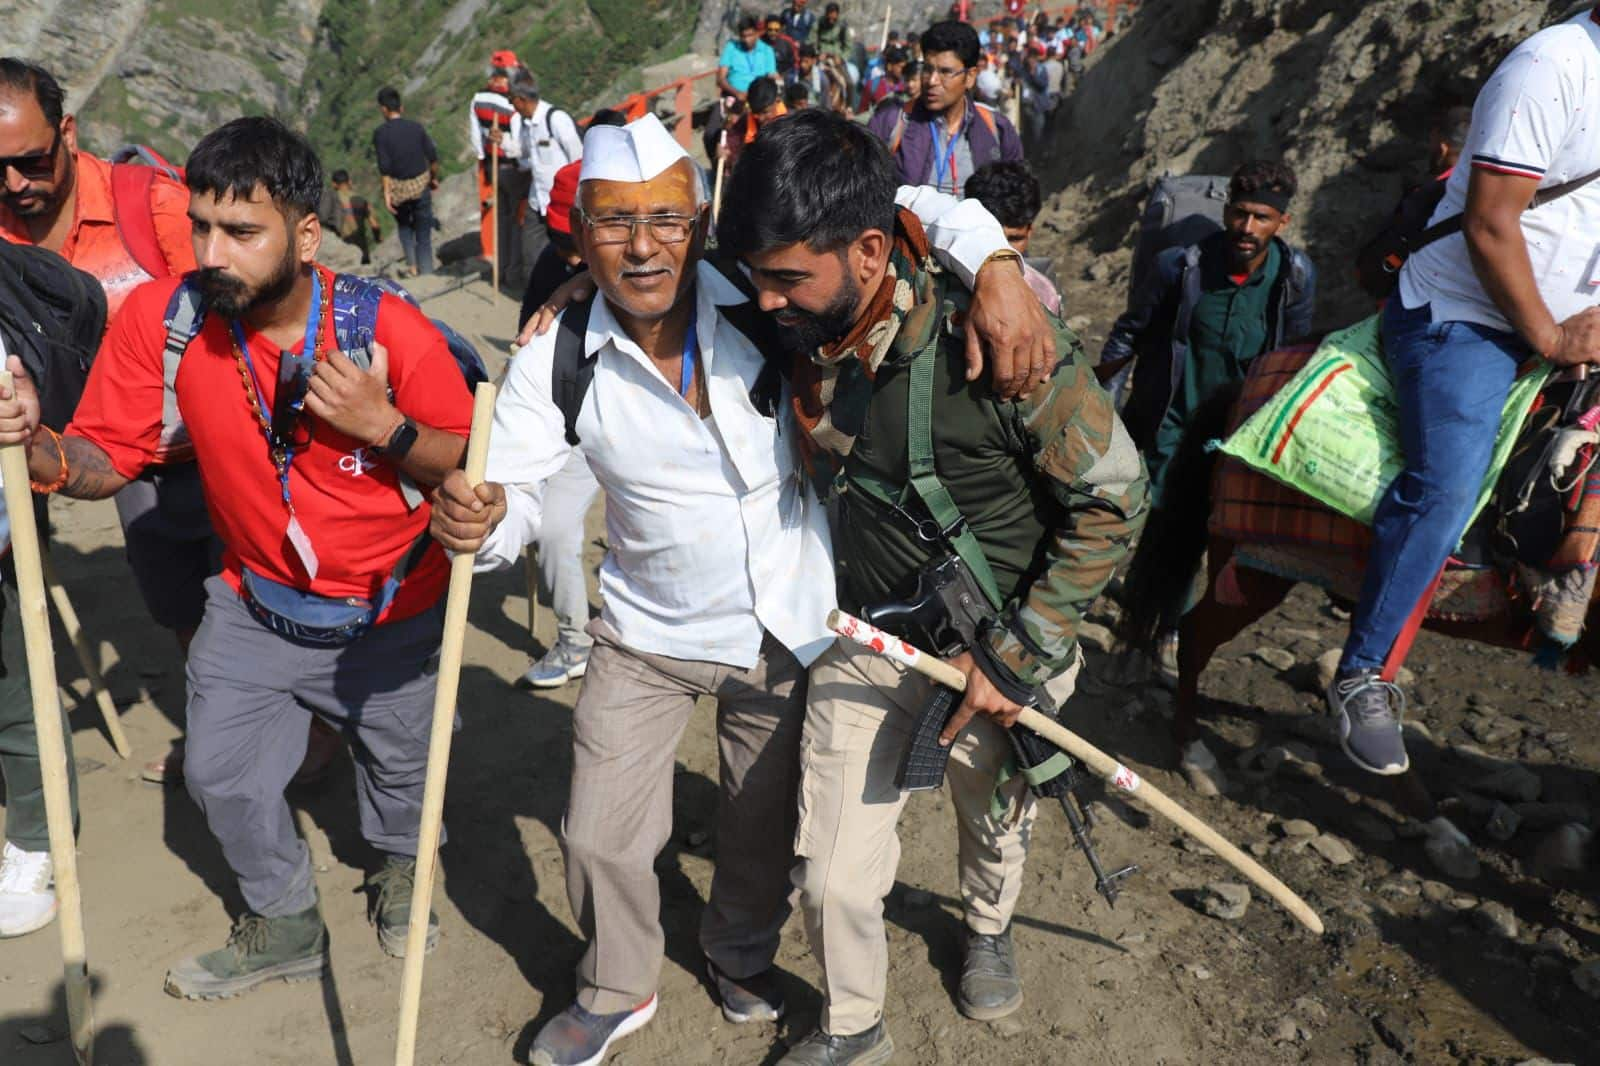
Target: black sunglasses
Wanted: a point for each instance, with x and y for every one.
(34, 165)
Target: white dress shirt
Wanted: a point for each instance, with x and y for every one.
(714, 532)
(546, 143)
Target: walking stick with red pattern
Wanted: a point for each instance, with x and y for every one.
(941, 672)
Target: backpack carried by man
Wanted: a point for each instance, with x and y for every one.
(355, 319)
(136, 169)
(51, 317)
(1179, 211)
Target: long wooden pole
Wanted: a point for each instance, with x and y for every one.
(52, 744)
(444, 715)
(494, 219)
(87, 657)
(883, 40)
(722, 165)
(941, 672)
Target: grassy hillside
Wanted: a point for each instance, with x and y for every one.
(436, 51)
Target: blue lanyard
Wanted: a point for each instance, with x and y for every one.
(944, 158)
(294, 375)
(686, 378)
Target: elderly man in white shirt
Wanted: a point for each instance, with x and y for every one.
(546, 139)
(717, 583)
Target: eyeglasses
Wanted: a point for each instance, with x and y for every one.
(34, 166)
(945, 73)
(618, 229)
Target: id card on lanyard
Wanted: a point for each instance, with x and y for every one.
(944, 159)
(277, 425)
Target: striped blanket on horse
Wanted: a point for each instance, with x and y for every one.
(1285, 532)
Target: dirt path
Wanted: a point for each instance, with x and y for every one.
(1408, 971)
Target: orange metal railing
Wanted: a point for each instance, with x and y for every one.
(638, 104)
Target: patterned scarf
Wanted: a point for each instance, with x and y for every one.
(833, 388)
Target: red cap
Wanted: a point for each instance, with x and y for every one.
(504, 58)
(563, 195)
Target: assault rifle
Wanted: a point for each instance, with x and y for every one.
(947, 613)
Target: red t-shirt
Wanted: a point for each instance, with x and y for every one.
(348, 500)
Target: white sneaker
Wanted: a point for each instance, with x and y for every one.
(27, 891)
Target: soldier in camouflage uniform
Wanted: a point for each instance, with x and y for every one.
(1051, 485)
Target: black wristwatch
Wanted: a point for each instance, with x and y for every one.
(399, 442)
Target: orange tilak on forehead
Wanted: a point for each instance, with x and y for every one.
(670, 192)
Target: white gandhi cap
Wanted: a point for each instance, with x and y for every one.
(635, 152)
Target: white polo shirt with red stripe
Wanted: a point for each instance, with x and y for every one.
(1538, 116)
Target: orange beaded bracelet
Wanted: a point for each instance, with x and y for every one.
(61, 478)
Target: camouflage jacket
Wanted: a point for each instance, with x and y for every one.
(1051, 485)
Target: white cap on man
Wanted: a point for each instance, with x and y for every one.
(635, 152)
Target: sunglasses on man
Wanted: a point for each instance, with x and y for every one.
(35, 166)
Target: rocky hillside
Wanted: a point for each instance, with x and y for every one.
(165, 71)
(1341, 91)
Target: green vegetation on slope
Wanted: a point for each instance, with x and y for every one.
(576, 50)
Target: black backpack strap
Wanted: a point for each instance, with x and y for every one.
(1446, 227)
(572, 369)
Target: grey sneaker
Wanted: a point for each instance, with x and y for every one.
(1369, 710)
(577, 1037)
(291, 948)
(871, 1048)
(389, 906)
(990, 985)
(747, 999)
(560, 664)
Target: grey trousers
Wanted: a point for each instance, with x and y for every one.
(250, 695)
(170, 546)
(19, 743)
(567, 496)
(630, 715)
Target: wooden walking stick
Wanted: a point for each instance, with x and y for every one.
(722, 165)
(87, 657)
(941, 672)
(494, 218)
(883, 40)
(444, 716)
(52, 744)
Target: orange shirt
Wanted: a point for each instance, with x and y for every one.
(93, 244)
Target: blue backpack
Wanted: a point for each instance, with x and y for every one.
(355, 321)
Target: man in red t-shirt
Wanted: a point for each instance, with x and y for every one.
(309, 508)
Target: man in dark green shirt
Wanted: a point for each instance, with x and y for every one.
(1049, 486)
(1207, 310)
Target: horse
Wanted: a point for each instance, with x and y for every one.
(1178, 541)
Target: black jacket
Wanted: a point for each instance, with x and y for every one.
(1155, 328)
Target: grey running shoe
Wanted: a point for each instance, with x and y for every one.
(747, 999)
(577, 1037)
(990, 986)
(871, 1048)
(291, 948)
(560, 664)
(1369, 710)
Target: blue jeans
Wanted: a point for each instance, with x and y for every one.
(414, 220)
(1452, 380)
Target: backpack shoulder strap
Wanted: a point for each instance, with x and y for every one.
(1444, 228)
(131, 187)
(355, 324)
(899, 129)
(987, 114)
(572, 370)
(185, 316)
